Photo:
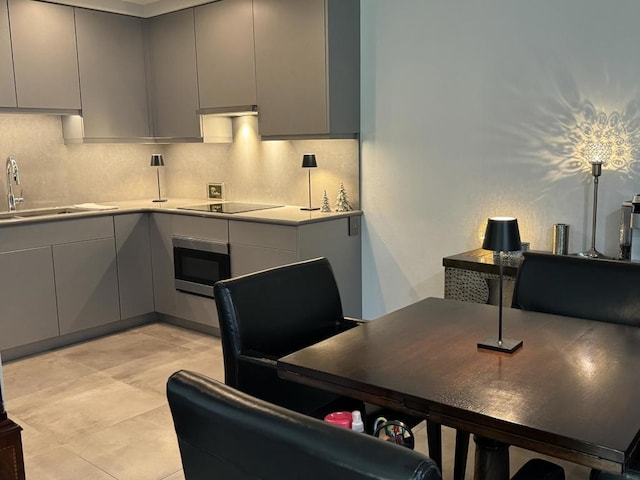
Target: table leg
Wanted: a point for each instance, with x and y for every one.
(434, 439)
(462, 451)
(492, 459)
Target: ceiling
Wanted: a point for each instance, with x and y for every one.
(137, 8)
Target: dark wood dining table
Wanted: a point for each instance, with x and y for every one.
(571, 392)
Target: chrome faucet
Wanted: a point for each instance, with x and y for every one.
(12, 171)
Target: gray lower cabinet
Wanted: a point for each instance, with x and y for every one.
(256, 246)
(173, 77)
(133, 253)
(168, 300)
(307, 58)
(86, 284)
(28, 297)
(44, 55)
(111, 61)
(7, 82)
(68, 276)
(225, 50)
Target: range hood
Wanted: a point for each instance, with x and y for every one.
(231, 111)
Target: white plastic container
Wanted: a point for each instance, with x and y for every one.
(356, 421)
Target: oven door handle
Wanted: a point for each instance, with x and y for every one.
(194, 288)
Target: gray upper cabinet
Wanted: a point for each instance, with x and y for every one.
(173, 78)
(307, 67)
(111, 60)
(7, 84)
(225, 52)
(44, 55)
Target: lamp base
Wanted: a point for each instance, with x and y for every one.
(593, 253)
(160, 200)
(508, 345)
(310, 209)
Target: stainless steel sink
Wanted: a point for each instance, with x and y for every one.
(39, 212)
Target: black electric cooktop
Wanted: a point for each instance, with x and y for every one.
(229, 207)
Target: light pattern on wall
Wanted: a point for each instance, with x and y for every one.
(616, 133)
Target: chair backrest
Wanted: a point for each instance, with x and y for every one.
(595, 289)
(277, 311)
(224, 433)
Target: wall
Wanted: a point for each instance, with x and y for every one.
(473, 109)
(54, 174)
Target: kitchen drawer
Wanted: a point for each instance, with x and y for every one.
(263, 235)
(15, 237)
(213, 229)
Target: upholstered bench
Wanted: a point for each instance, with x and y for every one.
(605, 290)
(596, 289)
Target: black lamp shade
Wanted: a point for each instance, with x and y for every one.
(309, 160)
(502, 235)
(157, 160)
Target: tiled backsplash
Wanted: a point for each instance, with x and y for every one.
(52, 173)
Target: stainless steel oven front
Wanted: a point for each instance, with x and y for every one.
(198, 264)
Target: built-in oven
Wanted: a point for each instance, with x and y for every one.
(198, 264)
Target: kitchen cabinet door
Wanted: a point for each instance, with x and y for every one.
(28, 297)
(133, 253)
(173, 78)
(44, 55)
(111, 60)
(86, 284)
(225, 52)
(257, 246)
(307, 67)
(7, 82)
(342, 246)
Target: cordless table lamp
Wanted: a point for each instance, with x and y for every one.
(309, 162)
(158, 161)
(502, 235)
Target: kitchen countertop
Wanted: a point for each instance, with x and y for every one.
(285, 215)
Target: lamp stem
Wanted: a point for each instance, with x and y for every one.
(595, 212)
(500, 304)
(158, 175)
(309, 188)
(3, 412)
(159, 199)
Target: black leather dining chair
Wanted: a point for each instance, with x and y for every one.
(268, 314)
(225, 433)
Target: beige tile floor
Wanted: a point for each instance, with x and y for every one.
(98, 411)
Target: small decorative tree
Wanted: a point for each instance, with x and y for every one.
(325, 203)
(342, 202)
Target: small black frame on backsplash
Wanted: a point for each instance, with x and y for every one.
(215, 191)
